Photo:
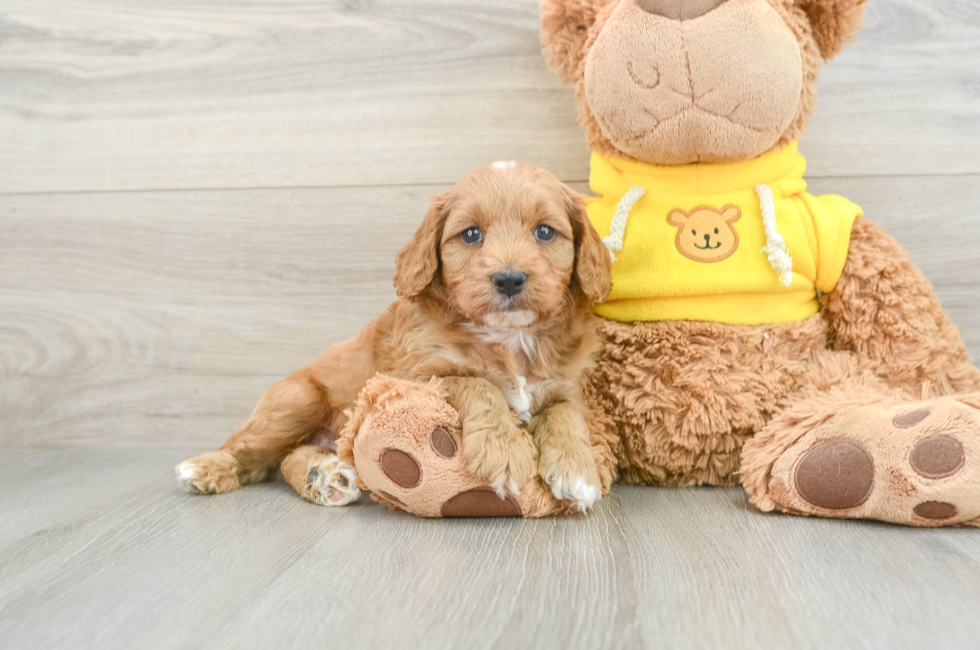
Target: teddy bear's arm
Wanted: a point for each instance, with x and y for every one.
(887, 312)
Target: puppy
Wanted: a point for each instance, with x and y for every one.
(495, 289)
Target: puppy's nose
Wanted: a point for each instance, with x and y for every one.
(509, 283)
(679, 9)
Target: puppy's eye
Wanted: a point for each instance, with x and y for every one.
(472, 236)
(544, 233)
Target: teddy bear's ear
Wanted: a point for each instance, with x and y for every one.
(835, 23)
(565, 27)
(677, 218)
(731, 213)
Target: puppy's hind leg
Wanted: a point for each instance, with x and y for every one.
(320, 477)
(290, 412)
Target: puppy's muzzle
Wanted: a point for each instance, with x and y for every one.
(510, 282)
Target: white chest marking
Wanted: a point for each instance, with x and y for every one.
(520, 400)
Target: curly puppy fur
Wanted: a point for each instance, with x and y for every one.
(454, 320)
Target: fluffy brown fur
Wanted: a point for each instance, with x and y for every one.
(451, 322)
(684, 403)
(681, 403)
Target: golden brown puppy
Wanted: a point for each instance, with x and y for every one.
(495, 289)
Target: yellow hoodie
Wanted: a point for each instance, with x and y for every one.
(739, 243)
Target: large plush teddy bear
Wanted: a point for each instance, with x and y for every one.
(755, 334)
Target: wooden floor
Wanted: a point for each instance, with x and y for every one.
(197, 196)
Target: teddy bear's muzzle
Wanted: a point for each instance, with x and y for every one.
(679, 9)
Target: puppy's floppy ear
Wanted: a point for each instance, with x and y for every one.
(835, 23)
(416, 265)
(565, 27)
(593, 265)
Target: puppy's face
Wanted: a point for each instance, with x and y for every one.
(508, 249)
(510, 245)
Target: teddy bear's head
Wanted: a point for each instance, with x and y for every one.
(672, 82)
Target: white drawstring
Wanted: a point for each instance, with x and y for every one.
(617, 229)
(775, 244)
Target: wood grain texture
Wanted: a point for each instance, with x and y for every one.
(100, 549)
(113, 95)
(157, 319)
(150, 290)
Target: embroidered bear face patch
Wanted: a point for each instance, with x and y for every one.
(705, 234)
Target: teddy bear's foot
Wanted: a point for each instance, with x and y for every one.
(913, 464)
(405, 440)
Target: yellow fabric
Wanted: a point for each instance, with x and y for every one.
(656, 278)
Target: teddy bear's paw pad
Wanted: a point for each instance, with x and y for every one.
(481, 502)
(938, 457)
(914, 465)
(836, 475)
(332, 482)
(401, 468)
(443, 443)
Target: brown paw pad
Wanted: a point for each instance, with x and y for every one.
(401, 467)
(836, 475)
(443, 443)
(481, 502)
(937, 457)
(935, 510)
(912, 418)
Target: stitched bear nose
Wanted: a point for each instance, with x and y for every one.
(707, 239)
(509, 283)
(679, 9)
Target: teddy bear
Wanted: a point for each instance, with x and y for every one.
(756, 335)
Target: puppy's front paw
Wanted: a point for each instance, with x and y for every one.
(332, 482)
(571, 479)
(215, 472)
(580, 492)
(504, 456)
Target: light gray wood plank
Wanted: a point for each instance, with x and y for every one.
(138, 564)
(157, 319)
(109, 95)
